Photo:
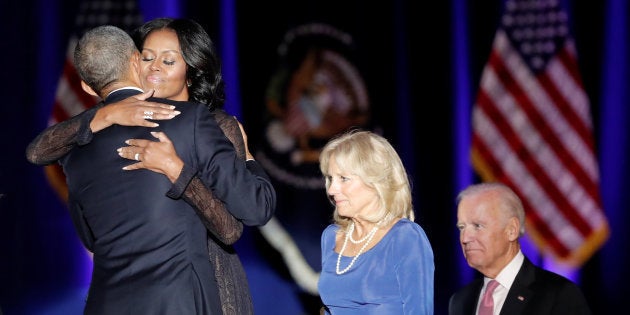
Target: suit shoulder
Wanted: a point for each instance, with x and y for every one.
(468, 289)
(553, 279)
(191, 106)
(180, 105)
(463, 300)
(194, 110)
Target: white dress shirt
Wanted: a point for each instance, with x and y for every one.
(505, 278)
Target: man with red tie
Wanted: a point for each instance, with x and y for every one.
(491, 219)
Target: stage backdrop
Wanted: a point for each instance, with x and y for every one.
(300, 71)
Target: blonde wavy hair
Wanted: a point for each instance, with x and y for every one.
(373, 159)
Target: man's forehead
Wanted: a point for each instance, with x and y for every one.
(474, 210)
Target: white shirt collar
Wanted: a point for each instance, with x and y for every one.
(125, 88)
(507, 275)
(506, 279)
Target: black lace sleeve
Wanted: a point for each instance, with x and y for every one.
(210, 209)
(223, 226)
(57, 140)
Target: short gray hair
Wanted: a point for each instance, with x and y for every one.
(102, 56)
(511, 204)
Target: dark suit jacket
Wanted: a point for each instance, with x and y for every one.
(535, 291)
(150, 254)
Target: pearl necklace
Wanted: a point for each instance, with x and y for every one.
(367, 238)
(349, 236)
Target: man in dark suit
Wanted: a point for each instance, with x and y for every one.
(490, 218)
(150, 254)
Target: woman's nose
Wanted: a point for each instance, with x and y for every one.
(332, 189)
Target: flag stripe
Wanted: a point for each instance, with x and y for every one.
(532, 129)
(520, 164)
(527, 153)
(577, 113)
(562, 74)
(570, 141)
(541, 108)
(569, 157)
(496, 174)
(561, 128)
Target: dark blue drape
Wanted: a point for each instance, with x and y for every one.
(421, 61)
(614, 149)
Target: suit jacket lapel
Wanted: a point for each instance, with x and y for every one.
(520, 294)
(474, 298)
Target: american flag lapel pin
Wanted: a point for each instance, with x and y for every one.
(521, 298)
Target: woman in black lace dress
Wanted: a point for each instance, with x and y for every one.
(179, 62)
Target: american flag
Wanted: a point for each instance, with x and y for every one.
(70, 99)
(532, 130)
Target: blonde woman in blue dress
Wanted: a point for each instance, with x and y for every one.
(375, 258)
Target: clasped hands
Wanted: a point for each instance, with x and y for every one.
(158, 156)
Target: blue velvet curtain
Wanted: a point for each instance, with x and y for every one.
(421, 61)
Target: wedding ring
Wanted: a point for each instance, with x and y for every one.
(148, 114)
(137, 157)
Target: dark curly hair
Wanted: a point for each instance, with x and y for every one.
(204, 67)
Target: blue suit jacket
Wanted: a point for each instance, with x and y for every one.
(534, 291)
(150, 254)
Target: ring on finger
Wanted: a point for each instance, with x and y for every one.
(148, 114)
(137, 157)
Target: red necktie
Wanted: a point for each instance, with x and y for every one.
(487, 304)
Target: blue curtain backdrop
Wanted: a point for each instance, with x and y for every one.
(421, 62)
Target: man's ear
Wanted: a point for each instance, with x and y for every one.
(135, 67)
(135, 61)
(88, 89)
(513, 229)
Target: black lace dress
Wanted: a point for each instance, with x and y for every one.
(223, 229)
